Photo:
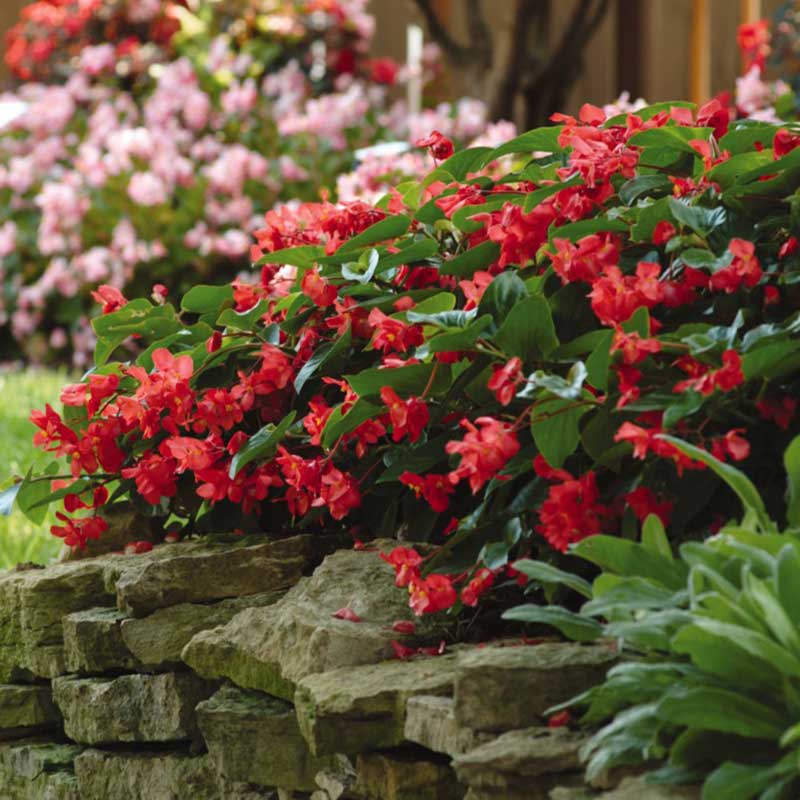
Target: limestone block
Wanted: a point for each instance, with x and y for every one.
(431, 722)
(524, 764)
(26, 710)
(32, 604)
(157, 640)
(502, 688)
(145, 776)
(337, 782)
(353, 709)
(406, 775)
(131, 708)
(254, 738)
(35, 770)
(215, 571)
(93, 642)
(271, 649)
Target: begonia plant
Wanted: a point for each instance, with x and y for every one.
(485, 364)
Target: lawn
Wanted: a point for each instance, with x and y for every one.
(21, 540)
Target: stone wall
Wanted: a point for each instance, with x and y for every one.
(218, 671)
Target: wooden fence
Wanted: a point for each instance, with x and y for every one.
(656, 49)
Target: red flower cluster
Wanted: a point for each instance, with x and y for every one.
(572, 510)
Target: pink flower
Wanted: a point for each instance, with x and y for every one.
(147, 189)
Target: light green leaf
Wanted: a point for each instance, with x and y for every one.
(573, 626)
(550, 575)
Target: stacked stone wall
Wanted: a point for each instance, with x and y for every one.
(219, 671)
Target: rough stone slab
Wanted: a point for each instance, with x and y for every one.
(354, 709)
(35, 770)
(93, 642)
(522, 763)
(26, 710)
(131, 708)
(218, 571)
(271, 649)
(503, 688)
(145, 776)
(338, 782)
(402, 775)
(32, 604)
(157, 640)
(431, 722)
(254, 738)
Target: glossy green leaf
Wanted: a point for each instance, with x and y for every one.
(261, 445)
(554, 426)
(528, 330)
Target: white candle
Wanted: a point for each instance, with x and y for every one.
(414, 43)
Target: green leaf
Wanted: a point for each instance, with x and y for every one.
(577, 230)
(528, 330)
(654, 537)
(755, 643)
(548, 574)
(632, 190)
(625, 558)
(723, 658)
(7, 498)
(736, 479)
(323, 357)
(632, 594)
(363, 270)
(772, 360)
(261, 445)
(731, 781)
(700, 219)
(743, 135)
(670, 137)
(32, 493)
(417, 458)
(466, 161)
(709, 708)
(573, 626)
(555, 428)
(503, 293)
(543, 140)
(244, 320)
(569, 388)
(407, 381)
(599, 362)
(203, 299)
(466, 264)
(139, 317)
(389, 228)
(463, 339)
(416, 251)
(304, 256)
(787, 580)
(339, 424)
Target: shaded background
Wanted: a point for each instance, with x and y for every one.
(642, 46)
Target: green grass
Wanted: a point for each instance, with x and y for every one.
(20, 392)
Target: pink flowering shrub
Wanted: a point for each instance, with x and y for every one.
(486, 363)
(166, 185)
(102, 34)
